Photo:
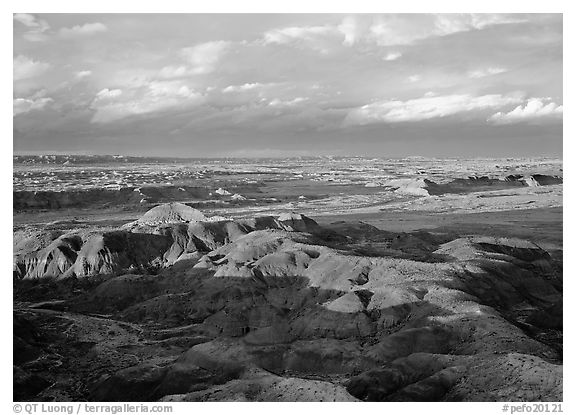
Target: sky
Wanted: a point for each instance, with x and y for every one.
(279, 85)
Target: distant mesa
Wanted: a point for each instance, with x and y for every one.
(426, 187)
(167, 214)
(222, 192)
(171, 213)
(417, 187)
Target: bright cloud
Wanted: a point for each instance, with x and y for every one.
(392, 56)
(481, 73)
(534, 109)
(24, 105)
(401, 30)
(447, 24)
(289, 103)
(83, 30)
(157, 96)
(425, 108)
(82, 74)
(203, 58)
(107, 94)
(255, 86)
(199, 59)
(384, 30)
(25, 68)
(483, 20)
(240, 88)
(350, 29)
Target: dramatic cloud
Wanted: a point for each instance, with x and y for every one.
(425, 108)
(36, 27)
(158, 96)
(534, 110)
(287, 81)
(25, 68)
(83, 30)
(23, 105)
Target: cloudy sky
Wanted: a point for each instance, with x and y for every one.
(288, 84)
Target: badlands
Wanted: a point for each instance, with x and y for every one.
(179, 305)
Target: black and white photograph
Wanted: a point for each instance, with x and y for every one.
(286, 207)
